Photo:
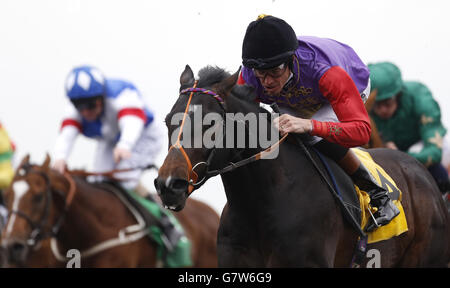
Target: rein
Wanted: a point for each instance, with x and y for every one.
(108, 174)
(69, 199)
(253, 158)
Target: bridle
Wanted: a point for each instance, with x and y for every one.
(192, 176)
(125, 236)
(37, 227)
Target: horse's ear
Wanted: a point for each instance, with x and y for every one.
(371, 100)
(25, 160)
(226, 85)
(187, 77)
(46, 164)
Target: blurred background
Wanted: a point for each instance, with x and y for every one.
(150, 42)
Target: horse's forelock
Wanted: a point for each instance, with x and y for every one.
(208, 77)
(211, 75)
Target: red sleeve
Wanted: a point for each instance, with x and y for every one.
(354, 127)
(241, 80)
(72, 122)
(133, 112)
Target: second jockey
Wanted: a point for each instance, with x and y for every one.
(112, 112)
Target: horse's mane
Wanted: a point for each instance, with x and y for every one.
(211, 75)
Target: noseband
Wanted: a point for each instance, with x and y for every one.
(192, 176)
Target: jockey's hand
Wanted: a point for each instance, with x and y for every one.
(391, 145)
(290, 124)
(60, 165)
(121, 153)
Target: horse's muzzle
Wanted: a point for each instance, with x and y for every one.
(16, 251)
(172, 191)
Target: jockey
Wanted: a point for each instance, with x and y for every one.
(320, 84)
(112, 112)
(408, 119)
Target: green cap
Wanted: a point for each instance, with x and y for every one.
(386, 78)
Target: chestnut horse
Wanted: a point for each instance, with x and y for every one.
(280, 212)
(49, 209)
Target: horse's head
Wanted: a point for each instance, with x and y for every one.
(32, 217)
(195, 124)
(213, 123)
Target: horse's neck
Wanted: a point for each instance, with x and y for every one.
(262, 182)
(245, 179)
(85, 218)
(250, 185)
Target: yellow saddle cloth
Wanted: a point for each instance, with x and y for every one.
(398, 225)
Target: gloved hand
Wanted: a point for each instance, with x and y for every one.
(120, 153)
(290, 124)
(60, 165)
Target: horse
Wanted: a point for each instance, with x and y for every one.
(279, 212)
(51, 213)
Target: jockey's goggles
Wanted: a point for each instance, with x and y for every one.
(275, 72)
(86, 103)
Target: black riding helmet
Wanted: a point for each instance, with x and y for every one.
(268, 42)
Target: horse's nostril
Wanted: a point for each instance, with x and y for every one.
(17, 247)
(179, 185)
(156, 183)
(159, 185)
(17, 252)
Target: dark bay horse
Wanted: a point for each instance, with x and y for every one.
(49, 209)
(279, 212)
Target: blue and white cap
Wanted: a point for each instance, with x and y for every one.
(84, 82)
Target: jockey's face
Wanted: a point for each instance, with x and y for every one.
(93, 112)
(385, 109)
(273, 79)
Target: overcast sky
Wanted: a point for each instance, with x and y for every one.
(150, 42)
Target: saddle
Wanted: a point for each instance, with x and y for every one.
(164, 229)
(357, 201)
